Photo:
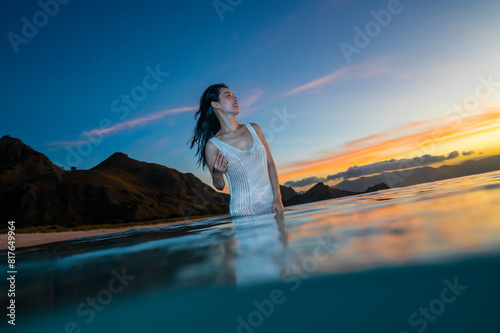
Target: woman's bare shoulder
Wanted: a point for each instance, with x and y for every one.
(255, 127)
(210, 145)
(211, 148)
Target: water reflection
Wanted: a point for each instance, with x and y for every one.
(258, 248)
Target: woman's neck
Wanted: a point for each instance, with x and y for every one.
(228, 125)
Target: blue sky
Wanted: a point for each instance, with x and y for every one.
(278, 57)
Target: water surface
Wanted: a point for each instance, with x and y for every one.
(361, 263)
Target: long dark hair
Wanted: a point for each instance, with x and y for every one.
(208, 124)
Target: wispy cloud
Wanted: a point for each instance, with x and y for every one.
(56, 145)
(382, 65)
(247, 102)
(140, 121)
(364, 70)
(125, 125)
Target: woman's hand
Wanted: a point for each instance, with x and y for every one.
(278, 206)
(220, 165)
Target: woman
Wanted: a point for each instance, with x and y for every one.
(239, 151)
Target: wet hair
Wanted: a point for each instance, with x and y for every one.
(208, 124)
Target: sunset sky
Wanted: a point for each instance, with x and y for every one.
(340, 88)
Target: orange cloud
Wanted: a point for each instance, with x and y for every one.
(426, 137)
(405, 128)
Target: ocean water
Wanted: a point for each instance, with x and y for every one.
(424, 258)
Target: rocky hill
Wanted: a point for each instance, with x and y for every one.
(36, 192)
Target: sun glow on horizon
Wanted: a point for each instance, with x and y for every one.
(479, 133)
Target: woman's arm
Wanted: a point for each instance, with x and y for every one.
(217, 165)
(273, 173)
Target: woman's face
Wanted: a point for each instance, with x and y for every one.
(228, 103)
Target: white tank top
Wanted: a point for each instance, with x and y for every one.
(248, 177)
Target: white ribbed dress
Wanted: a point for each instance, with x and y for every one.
(248, 178)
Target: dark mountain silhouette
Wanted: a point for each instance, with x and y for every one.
(286, 193)
(318, 192)
(377, 187)
(423, 174)
(36, 192)
(20, 163)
